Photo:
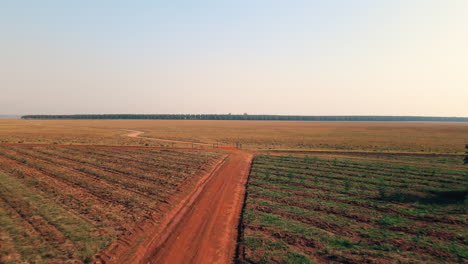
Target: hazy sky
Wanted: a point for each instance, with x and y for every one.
(333, 57)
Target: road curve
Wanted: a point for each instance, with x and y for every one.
(137, 134)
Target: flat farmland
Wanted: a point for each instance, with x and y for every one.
(65, 204)
(311, 210)
(161, 191)
(62, 132)
(421, 137)
(432, 160)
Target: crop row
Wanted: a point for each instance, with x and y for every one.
(318, 211)
(62, 204)
(399, 170)
(321, 193)
(448, 177)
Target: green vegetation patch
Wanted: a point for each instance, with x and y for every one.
(347, 211)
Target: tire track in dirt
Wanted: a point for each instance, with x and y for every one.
(202, 228)
(207, 233)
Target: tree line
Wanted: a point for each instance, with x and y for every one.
(249, 117)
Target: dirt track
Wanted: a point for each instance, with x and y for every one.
(137, 134)
(207, 230)
(202, 228)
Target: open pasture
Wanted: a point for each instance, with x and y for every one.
(436, 137)
(62, 203)
(311, 210)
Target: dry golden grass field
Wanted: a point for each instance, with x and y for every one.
(433, 137)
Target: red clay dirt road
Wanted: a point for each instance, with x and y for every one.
(201, 229)
(207, 232)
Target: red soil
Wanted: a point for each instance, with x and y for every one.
(228, 148)
(202, 228)
(207, 232)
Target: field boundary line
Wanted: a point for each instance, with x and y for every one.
(239, 254)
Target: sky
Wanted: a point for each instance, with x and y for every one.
(310, 57)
